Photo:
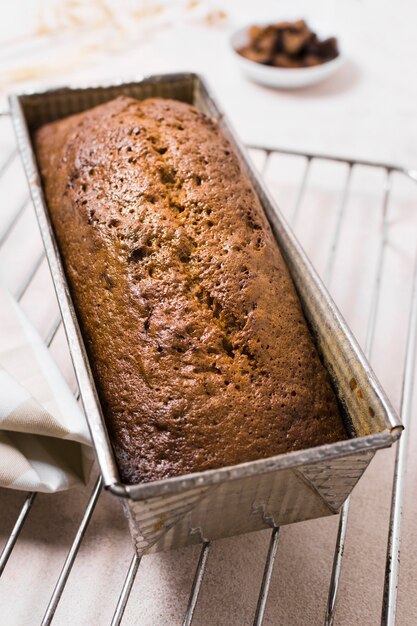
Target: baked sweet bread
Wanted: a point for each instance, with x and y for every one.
(200, 351)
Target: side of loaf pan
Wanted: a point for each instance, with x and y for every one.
(250, 496)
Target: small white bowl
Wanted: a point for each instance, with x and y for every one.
(281, 77)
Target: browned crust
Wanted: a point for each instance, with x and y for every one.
(200, 351)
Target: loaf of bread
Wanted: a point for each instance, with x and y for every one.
(199, 348)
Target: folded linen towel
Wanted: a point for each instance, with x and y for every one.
(44, 439)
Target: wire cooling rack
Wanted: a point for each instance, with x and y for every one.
(319, 195)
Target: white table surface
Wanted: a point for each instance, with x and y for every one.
(366, 111)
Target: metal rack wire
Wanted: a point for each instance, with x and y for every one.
(388, 613)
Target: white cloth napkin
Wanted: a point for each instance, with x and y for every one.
(44, 439)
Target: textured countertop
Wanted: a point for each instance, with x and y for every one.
(366, 111)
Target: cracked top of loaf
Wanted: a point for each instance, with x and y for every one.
(199, 348)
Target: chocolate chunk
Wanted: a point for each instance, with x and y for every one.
(289, 45)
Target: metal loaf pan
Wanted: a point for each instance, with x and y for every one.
(218, 503)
